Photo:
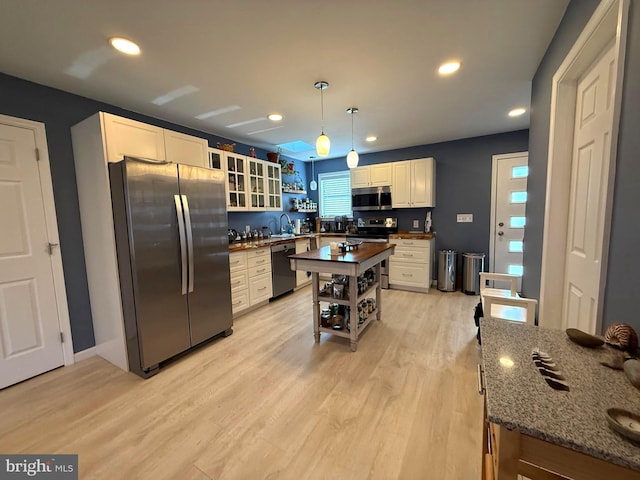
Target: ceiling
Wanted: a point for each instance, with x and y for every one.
(265, 57)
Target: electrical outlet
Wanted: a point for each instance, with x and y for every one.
(465, 217)
(416, 224)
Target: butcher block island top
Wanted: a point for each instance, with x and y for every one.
(353, 263)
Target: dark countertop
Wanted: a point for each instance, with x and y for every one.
(519, 398)
(267, 242)
(413, 235)
(364, 252)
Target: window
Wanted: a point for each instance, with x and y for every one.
(515, 270)
(517, 222)
(520, 172)
(334, 194)
(518, 197)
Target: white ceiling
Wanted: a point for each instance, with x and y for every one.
(264, 56)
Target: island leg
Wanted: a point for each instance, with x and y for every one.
(379, 290)
(353, 312)
(315, 287)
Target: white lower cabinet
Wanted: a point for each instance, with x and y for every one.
(302, 278)
(411, 264)
(250, 278)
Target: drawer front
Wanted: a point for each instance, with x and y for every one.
(403, 254)
(264, 252)
(237, 261)
(410, 274)
(409, 243)
(239, 301)
(259, 270)
(264, 261)
(239, 281)
(260, 288)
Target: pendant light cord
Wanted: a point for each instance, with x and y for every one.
(352, 113)
(321, 109)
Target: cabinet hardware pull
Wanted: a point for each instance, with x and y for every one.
(407, 275)
(237, 303)
(407, 254)
(235, 283)
(261, 270)
(480, 385)
(263, 288)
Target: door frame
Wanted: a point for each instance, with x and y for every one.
(494, 201)
(51, 224)
(607, 24)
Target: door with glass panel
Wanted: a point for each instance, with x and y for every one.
(508, 215)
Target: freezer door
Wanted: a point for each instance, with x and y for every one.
(209, 287)
(161, 307)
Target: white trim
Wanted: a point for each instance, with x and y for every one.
(52, 228)
(608, 22)
(494, 200)
(85, 354)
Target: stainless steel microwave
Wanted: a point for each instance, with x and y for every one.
(371, 198)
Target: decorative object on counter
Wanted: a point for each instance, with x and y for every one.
(616, 361)
(313, 185)
(227, 147)
(352, 156)
(622, 336)
(632, 371)
(584, 339)
(549, 370)
(348, 246)
(232, 234)
(266, 232)
(625, 423)
(323, 144)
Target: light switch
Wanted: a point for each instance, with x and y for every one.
(465, 217)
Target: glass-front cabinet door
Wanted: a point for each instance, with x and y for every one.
(274, 186)
(216, 158)
(257, 184)
(236, 166)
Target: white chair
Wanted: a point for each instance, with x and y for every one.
(506, 304)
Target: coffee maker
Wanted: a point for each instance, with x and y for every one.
(340, 228)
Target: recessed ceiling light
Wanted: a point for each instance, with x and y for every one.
(448, 68)
(275, 117)
(516, 112)
(125, 46)
(371, 138)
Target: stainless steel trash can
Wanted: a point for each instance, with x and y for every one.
(447, 270)
(472, 265)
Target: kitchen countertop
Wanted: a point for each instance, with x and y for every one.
(519, 398)
(413, 235)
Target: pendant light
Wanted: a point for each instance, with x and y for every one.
(352, 157)
(323, 144)
(313, 185)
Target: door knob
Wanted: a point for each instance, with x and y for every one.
(501, 224)
(500, 233)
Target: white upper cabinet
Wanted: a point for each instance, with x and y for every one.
(216, 159)
(257, 184)
(237, 181)
(125, 137)
(414, 183)
(274, 186)
(185, 149)
(372, 176)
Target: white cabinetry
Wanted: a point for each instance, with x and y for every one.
(123, 136)
(250, 278)
(372, 176)
(216, 158)
(257, 184)
(252, 184)
(236, 188)
(414, 183)
(274, 186)
(410, 265)
(302, 277)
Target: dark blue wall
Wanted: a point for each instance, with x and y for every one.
(463, 185)
(624, 256)
(59, 110)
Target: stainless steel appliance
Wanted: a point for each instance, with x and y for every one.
(376, 229)
(283, 278)
(371, 198)
(173, 258)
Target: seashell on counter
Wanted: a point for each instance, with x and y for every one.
(622, 336)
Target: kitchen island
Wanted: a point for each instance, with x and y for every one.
(352, 263)
(533, 429)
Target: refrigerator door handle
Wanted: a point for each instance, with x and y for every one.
(183, 243)
(187, 220)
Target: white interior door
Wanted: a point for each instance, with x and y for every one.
(589, 174)
(508, 216)
(29, 323)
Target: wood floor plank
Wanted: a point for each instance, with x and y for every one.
(269, 403)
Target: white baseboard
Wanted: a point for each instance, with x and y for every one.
(84, 354)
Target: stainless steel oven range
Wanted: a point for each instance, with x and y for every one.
(377, 230)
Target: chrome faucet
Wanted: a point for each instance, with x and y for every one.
(288, 221)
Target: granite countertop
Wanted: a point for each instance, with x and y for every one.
(413, 235)
(265, 242)
(519, 398)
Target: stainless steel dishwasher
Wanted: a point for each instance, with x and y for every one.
(284, 279)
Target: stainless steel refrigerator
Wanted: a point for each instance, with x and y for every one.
(173, 258)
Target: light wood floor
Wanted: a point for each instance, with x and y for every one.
(268, 403)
